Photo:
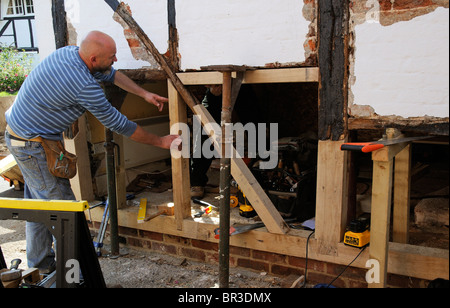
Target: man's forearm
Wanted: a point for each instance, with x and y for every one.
(142, 136)
(124, 82)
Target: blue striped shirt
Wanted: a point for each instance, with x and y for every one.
(57, 92)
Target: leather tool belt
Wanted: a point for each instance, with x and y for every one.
(60, 163)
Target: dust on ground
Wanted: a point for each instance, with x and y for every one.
(137, 268)
(144, 269)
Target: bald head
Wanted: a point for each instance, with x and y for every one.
(98, 51)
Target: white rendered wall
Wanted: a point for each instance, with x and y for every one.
(403, 69)
(86, 15)
(211, 32)
(250, 32)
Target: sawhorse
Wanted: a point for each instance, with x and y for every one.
(67, 223)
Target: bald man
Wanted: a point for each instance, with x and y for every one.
(55, 94)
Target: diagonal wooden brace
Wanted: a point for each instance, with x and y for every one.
(248, 183)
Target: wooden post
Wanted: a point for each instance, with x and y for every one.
(380, 217)
(402, 184)
(180, 166)
(331, 205)
(383, 162)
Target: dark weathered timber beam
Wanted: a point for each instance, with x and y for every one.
(422, 125)
(59, 23)
(333, 65)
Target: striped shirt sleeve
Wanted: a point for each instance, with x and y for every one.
(92, 98)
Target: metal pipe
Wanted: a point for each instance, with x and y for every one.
(225, 179)
(112, 195)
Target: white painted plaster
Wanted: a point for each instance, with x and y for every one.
(251, 32)
(211, 32)
(403, 69)
(88, 15)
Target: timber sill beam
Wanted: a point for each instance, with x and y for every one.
(283, 75)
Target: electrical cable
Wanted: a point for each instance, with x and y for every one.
(362, 249)
(306, 257)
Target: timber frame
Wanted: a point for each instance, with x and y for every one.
(332, 178)
(325, 244)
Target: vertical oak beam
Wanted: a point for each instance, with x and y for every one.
(331, 204)
(402, 185)
(380, 217)
(59, 23)
(180, 166)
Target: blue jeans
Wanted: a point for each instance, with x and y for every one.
(39, 184)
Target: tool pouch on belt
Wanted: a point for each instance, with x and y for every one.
(61, 163)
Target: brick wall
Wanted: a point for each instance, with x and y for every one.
(255, 260)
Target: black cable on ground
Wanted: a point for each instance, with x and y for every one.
(362, 249)
(306, 257)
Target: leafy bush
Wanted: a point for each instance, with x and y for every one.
(14, 68)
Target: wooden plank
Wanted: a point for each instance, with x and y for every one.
(380, 217)
(287, 75)
(402, 184)
(82, 182)
(331, 207)
(180, 166)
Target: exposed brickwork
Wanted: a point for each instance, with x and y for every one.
(393, 11)
(261, 261)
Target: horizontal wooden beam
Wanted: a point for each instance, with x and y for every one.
(285, 75)
(432, 125)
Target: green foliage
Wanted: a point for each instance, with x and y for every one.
(14, 68)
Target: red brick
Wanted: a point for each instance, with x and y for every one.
(205, 245)
(350, 272)
(133, 42)
(312, 264)
(193, 254)
(171, 249)
(408, 4)
(252, 264)
(176, 240)
(285, 271)
(151, 235)
(128, 231)
(213, 257)
(268, 256)
(238, 251)
(139, 243)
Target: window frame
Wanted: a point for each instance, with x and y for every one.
(20, 8)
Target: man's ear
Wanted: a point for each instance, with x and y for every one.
(93, 59)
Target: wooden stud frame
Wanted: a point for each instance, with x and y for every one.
(326, 245)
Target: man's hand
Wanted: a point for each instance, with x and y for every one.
(125, 83)
(156, 100)
(171, 142)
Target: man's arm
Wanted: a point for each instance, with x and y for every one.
(125, 83)
(142, 136)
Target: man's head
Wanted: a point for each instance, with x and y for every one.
(215, 89)
(98, 51)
